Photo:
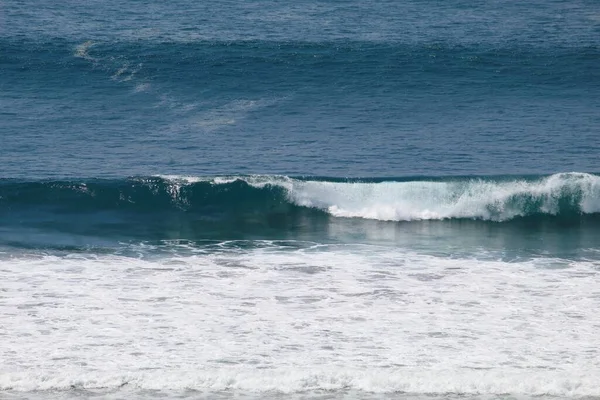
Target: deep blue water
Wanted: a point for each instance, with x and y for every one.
(315, 88)
(376, 147)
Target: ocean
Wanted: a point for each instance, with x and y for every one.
(333, 199)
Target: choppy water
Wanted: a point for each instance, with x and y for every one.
(391, 200)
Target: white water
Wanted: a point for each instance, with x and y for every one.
(269, 319)
(424, 200)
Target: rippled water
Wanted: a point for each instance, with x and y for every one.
(331, 200)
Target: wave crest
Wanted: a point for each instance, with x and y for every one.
(561, 194)
(565, 195)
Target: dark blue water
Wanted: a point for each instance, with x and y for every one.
(367, 150)
(329, 89)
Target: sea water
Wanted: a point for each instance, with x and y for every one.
(310, 199)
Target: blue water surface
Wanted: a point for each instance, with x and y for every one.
(346, 89)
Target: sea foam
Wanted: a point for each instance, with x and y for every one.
(476, 198)
(268, 318)
(473, 198)
(292, 381)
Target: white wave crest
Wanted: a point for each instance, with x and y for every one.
(496, 200)
(422, 200)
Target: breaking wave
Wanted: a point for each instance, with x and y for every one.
(565, 195)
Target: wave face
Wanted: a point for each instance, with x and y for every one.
(567, 195)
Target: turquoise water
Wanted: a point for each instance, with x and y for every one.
(555, 215)
(330, 199)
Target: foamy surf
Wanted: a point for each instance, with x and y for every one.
(277, 318)
(474, 198)
(343, 381)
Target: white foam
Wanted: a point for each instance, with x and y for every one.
(262, 318)
(82, 50)
(185, 179)
(302, 380)
(405, 201)
(424, 200)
